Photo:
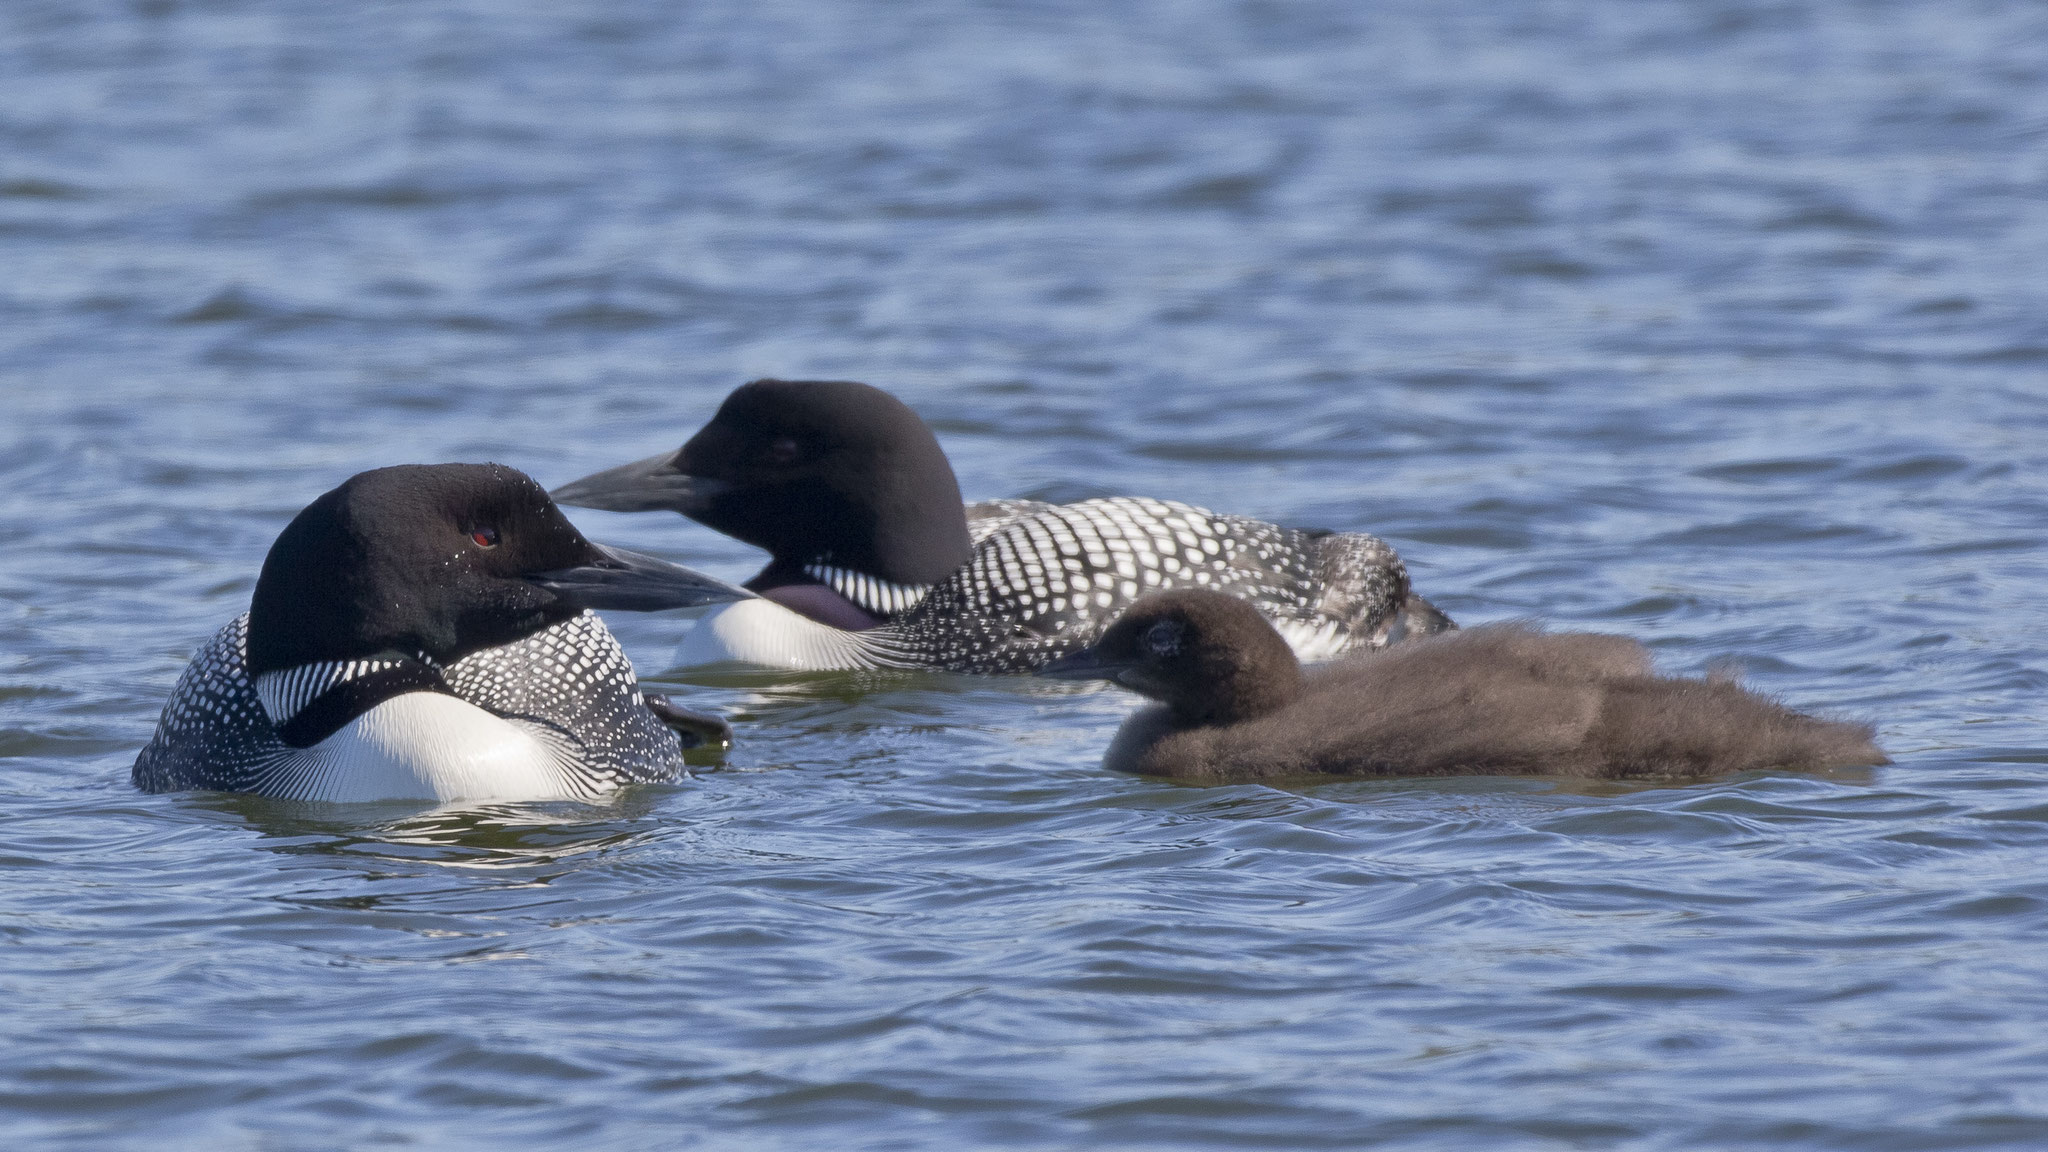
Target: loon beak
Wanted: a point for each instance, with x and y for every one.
(643, 486)
(1087, 664)
(636, 582)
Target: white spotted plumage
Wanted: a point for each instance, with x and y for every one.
(1046, 579)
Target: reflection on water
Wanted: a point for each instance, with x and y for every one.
(485, 836)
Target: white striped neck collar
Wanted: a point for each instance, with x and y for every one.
(872, 594)
(286, 692)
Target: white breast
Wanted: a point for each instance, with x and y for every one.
(427, 746)
(765, 633)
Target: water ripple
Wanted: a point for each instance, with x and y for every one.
(1716, 325)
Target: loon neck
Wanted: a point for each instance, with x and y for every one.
(308, 703)
(837, 595)
(878, 548)
(1239, 693)
(820, 603)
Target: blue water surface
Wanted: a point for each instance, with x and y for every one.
(1716, 323)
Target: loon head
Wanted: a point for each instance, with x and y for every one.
(817, 472)
(1209, 657)
(439, 561)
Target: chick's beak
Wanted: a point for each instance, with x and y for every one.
(1086, 664)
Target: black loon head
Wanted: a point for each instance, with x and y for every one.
(814, 471)
(1209, 657)
(441, 561)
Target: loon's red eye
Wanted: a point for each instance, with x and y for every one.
(485, 537)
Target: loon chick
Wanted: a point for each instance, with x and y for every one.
(423, 633)
(874, 563)
(1502, 699)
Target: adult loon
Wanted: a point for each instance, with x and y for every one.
(1492, 700)
(874, 563)
(424, 633)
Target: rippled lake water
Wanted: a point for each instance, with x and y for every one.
(1718, 324)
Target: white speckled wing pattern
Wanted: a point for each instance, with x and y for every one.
(213, 732)
(575, 680)
(1046, 579)
(570, 684)
(987, 517)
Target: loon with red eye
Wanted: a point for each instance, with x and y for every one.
(370, 667)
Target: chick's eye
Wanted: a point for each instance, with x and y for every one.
(485, 537)
(1162, 639)
(782, 450)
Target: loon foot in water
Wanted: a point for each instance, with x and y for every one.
(697, 729)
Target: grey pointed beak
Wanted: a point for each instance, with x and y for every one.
(1087, 664)
(636, 582)
(646, 485)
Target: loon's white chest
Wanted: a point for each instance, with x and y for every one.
(427, 746)
(764, 633)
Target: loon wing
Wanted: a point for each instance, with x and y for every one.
(985, 518)
(213, 732)
(575, 680)
(1045, 579)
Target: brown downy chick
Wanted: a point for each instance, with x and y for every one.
(1503, 699)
